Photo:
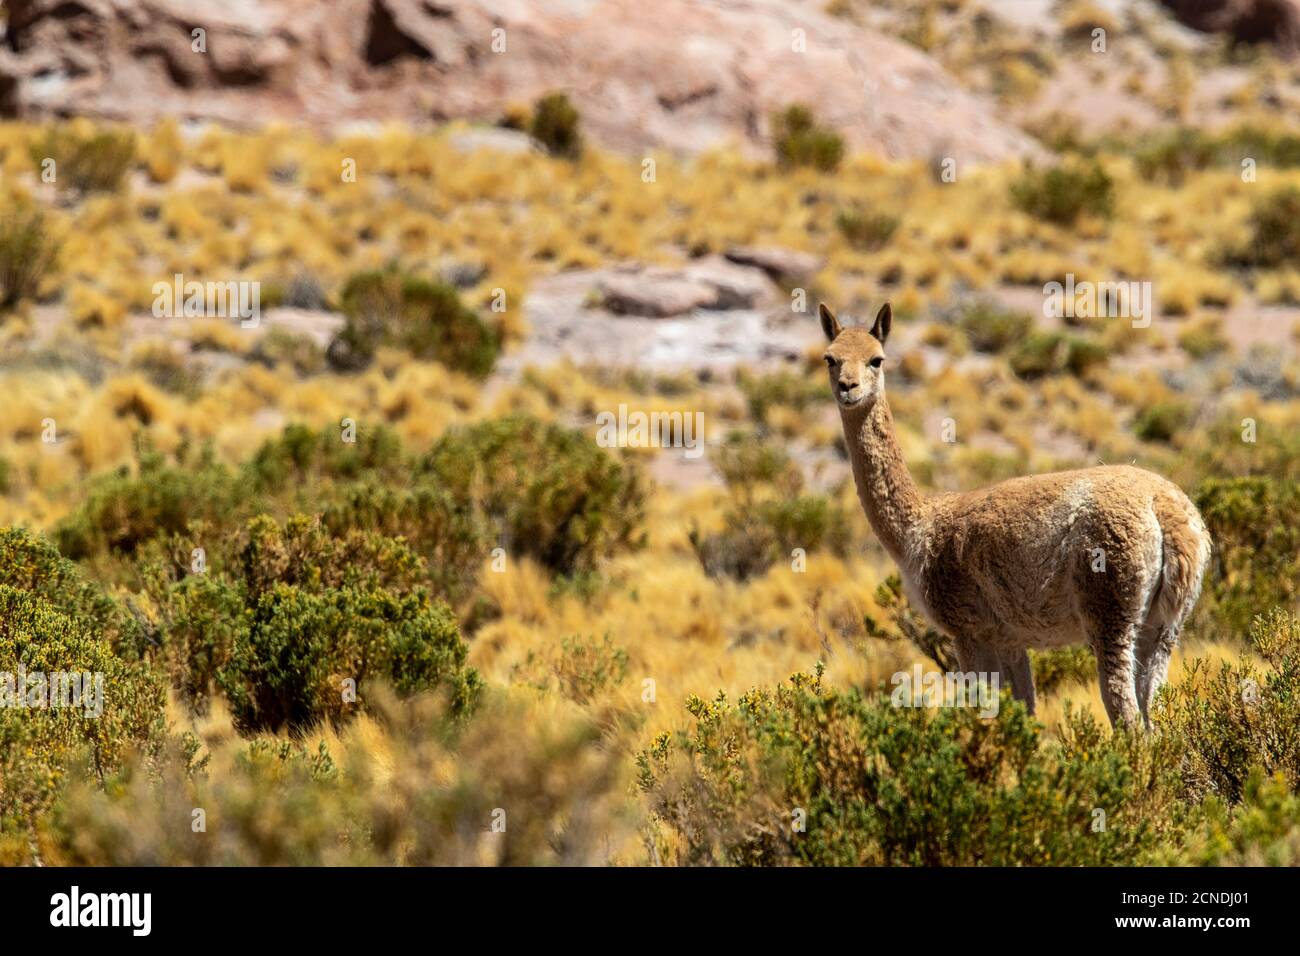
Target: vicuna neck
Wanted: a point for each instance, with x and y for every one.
(889, 496)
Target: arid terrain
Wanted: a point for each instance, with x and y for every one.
(311, 314)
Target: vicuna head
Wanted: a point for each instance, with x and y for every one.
(855, 358)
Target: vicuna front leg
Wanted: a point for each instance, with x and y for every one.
(980, 657)
(1117, 674)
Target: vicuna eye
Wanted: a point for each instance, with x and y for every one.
(877, 361)
(830, 361)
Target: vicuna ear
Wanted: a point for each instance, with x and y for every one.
(884, 318)
(830, 324)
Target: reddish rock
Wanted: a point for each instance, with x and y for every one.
(1246, 21)
(683, 75)
(787, 266)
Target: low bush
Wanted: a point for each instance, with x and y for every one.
(301, 611)
(991, 328)
(799, 140)
(27, 253)
(281, 347)
(1240, 718)
(580, 669)
(424, 318)
(94, 162)
(302, 457)
(1049, 353)
(1255, 526)
(1061, 194)
(756, 536)
(47, 725)
(806, 775)
(1161, 421)
(864, 230)
(33, 566)
(747, 463)
(1263, 830)
(901, 622)
(1274, 226)
(366, 798)
(782, 389)
(1203, 339)
(557, 126)
(1055, 668)
(123, 510)
(550, 492)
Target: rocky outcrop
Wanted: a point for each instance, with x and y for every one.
(787, 266)
(1246, 21)
(659, 292)
(677, 74)
(705, 314)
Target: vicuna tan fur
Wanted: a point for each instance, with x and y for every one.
(1109, 556)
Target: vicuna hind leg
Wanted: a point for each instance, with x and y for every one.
(1117, 674)
(1016, 666)
(1155, 645)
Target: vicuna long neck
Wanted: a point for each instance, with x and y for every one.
(889, 496)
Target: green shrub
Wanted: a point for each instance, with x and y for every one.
(864, 230)
(550, 491)
(1171, 157)
(1255, 526)
(799, 140)
(747, 463)
(1274, 231)
(1161, 421)
(299, 610)
(123, 510)
(1050, 353)
(287, 671)
(94, 163)
(754, 537)
(301, 457)
(1083, 354)
(451, 535)
(1055, 668)
(581, 669)
(1061, 194)
(366, 802)
(27, 254)
(1039, 354)
(889, 786)
(903, 623)
(1202, 339)
(38, 744)
(556, 125)
(168, 369)
(282, 347)
(32, 565)
(1240, 718)
(785, 389)
(425, 318)
(1263, 830)
(991, 328)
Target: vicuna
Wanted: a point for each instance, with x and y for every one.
(1015, 565)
